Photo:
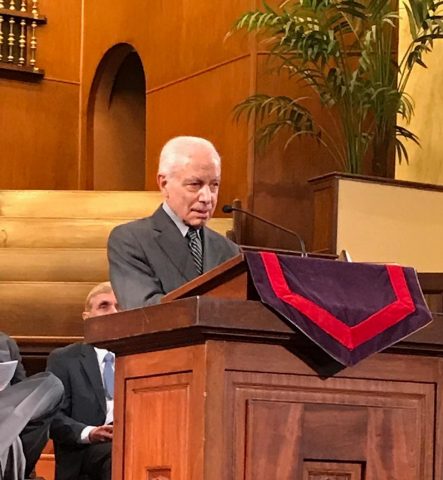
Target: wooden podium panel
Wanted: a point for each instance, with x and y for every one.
(211, 389)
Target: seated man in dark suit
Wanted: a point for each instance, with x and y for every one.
(27, 407)
(152, 256)
(82, 430)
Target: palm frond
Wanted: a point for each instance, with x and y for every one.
(342, 51)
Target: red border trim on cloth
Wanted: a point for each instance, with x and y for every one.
(350, 337)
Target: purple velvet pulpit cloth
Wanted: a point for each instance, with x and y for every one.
(350, 310)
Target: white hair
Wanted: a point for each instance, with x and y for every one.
(180, 150)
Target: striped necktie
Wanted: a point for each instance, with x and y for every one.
(195, 245)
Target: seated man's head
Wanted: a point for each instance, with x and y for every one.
(100, 301)
(189, 178)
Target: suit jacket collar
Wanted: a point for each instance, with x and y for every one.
(89, 363)
(173, 244)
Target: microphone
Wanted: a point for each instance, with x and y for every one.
(231, 208)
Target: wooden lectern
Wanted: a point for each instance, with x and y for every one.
(218, 387)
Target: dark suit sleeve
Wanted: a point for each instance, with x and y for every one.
(133, 279)
(64, 429)
(20, 373)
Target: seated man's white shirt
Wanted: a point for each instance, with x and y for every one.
(84, 436)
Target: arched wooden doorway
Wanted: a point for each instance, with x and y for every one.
(117, 125)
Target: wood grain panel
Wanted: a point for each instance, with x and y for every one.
(200, 107)
(53, 264)
(39, 142)
(324, 419)
(59, 41)
(54, 307)
(281, 192)
(181, 34)
(160, 405)
(401, 434)
(56, 232)
(70, 233)
(366, 436)
(78, 204)
(273, 442)
(332, 471)
(286, 360)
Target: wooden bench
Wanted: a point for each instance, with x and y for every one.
(52, 252)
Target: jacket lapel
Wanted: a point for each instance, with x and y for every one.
(174, 246)
(211, 255)
(91, 369)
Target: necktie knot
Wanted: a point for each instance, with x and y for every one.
(109, 358)
(192, 233)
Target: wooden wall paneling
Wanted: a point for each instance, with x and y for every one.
(280, 189)
(201, 107)
(324, 226)
(39, 121)
(190, 36)
(193, 50)
(59, 41)
(36, 152)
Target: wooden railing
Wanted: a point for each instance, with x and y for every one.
(19, 20)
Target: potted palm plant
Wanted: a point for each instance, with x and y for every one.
(344, 52)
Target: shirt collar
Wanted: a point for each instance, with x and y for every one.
(101, 352)
(178, 221)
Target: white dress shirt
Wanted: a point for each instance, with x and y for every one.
(84, 436)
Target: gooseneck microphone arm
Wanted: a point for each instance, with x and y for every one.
(230, 208)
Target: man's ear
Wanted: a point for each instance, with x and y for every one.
(85, 315)
(162, 184)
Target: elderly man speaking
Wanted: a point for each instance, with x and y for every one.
(152, 256)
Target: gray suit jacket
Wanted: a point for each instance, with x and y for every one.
(149, 258)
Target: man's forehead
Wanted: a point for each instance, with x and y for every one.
(103, 297)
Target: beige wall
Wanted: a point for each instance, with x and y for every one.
(426, 88)
(387, 223)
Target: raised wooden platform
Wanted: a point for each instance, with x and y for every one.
(52, 252)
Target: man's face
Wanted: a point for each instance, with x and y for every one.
(191, 190)
(102, 304)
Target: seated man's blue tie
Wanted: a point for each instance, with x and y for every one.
(108, 375)
(195, 245)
